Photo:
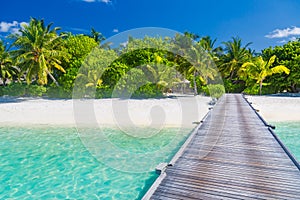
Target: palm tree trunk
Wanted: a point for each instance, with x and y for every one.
(293, 87)
(231, 75)
(53, 79)
(260, 87)
(4, 81)
(195, 84)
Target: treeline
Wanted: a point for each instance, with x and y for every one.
(42, 62)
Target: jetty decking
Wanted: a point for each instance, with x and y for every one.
(233, 155)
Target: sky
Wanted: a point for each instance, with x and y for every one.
(263, 22)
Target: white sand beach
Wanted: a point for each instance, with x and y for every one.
(181, 111)
(277, 108)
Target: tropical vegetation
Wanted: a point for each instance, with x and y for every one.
(45, 61)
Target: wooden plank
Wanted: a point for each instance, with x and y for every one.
(233, 155)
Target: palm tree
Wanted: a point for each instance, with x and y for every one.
(7, 70)
(260, 69)
(234, 58)
(97, 36)
(191, 35)
(209, 46)
(201, 66)
(207, 43)
(39, 50)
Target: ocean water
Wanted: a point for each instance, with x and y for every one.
(289, 134)
(54, 163)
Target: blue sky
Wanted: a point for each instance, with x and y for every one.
(263, 22)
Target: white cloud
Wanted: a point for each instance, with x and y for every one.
(287, 40)
(282, 41)
(22, 24)
(282, 33)
(15, 31)
(78, 29)
(115, 30)
(293, 38)
(11, 27)
(6, 26)
(106, 1)
(124, 44)
(103, 1)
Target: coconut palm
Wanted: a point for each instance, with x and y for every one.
(39, 51)
(201, 65)
(235, 56)
(207, 43)
(191, 35)
(7, 70)
(208, 46)
(260, 69)
(97, 36)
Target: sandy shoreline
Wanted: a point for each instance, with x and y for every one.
(107, 112)
(277, 108)
(175, 112)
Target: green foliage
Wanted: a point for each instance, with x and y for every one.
(259, 69)
(142, 61)
(252, 90)
(92, 72)
(289, 56)
(236, 54)
(78, 47)
(148, 90)
(143, 68)
(6, 64)
(14, 90)
(103, 92)
(234, 86)
(129, 83)
(35, 90)
(114, 72)
(198, 59)
(38, 51)
(216, 90)
(67, 79)
(58, 92)
(97, 36)
(24, 90)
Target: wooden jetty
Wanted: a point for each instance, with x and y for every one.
(233, 154)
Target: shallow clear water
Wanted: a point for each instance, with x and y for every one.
(53, 163)
(289, 134)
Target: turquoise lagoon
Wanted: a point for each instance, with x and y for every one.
(53, 163)
(289, 134)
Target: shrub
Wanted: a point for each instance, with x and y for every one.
(15, 90)
(103, 92)
(23, 90)
(216, 91)
(148, 90)
(234, 87)
(35, 90)
(59, 92)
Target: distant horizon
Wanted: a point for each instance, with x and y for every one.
(263, 23)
